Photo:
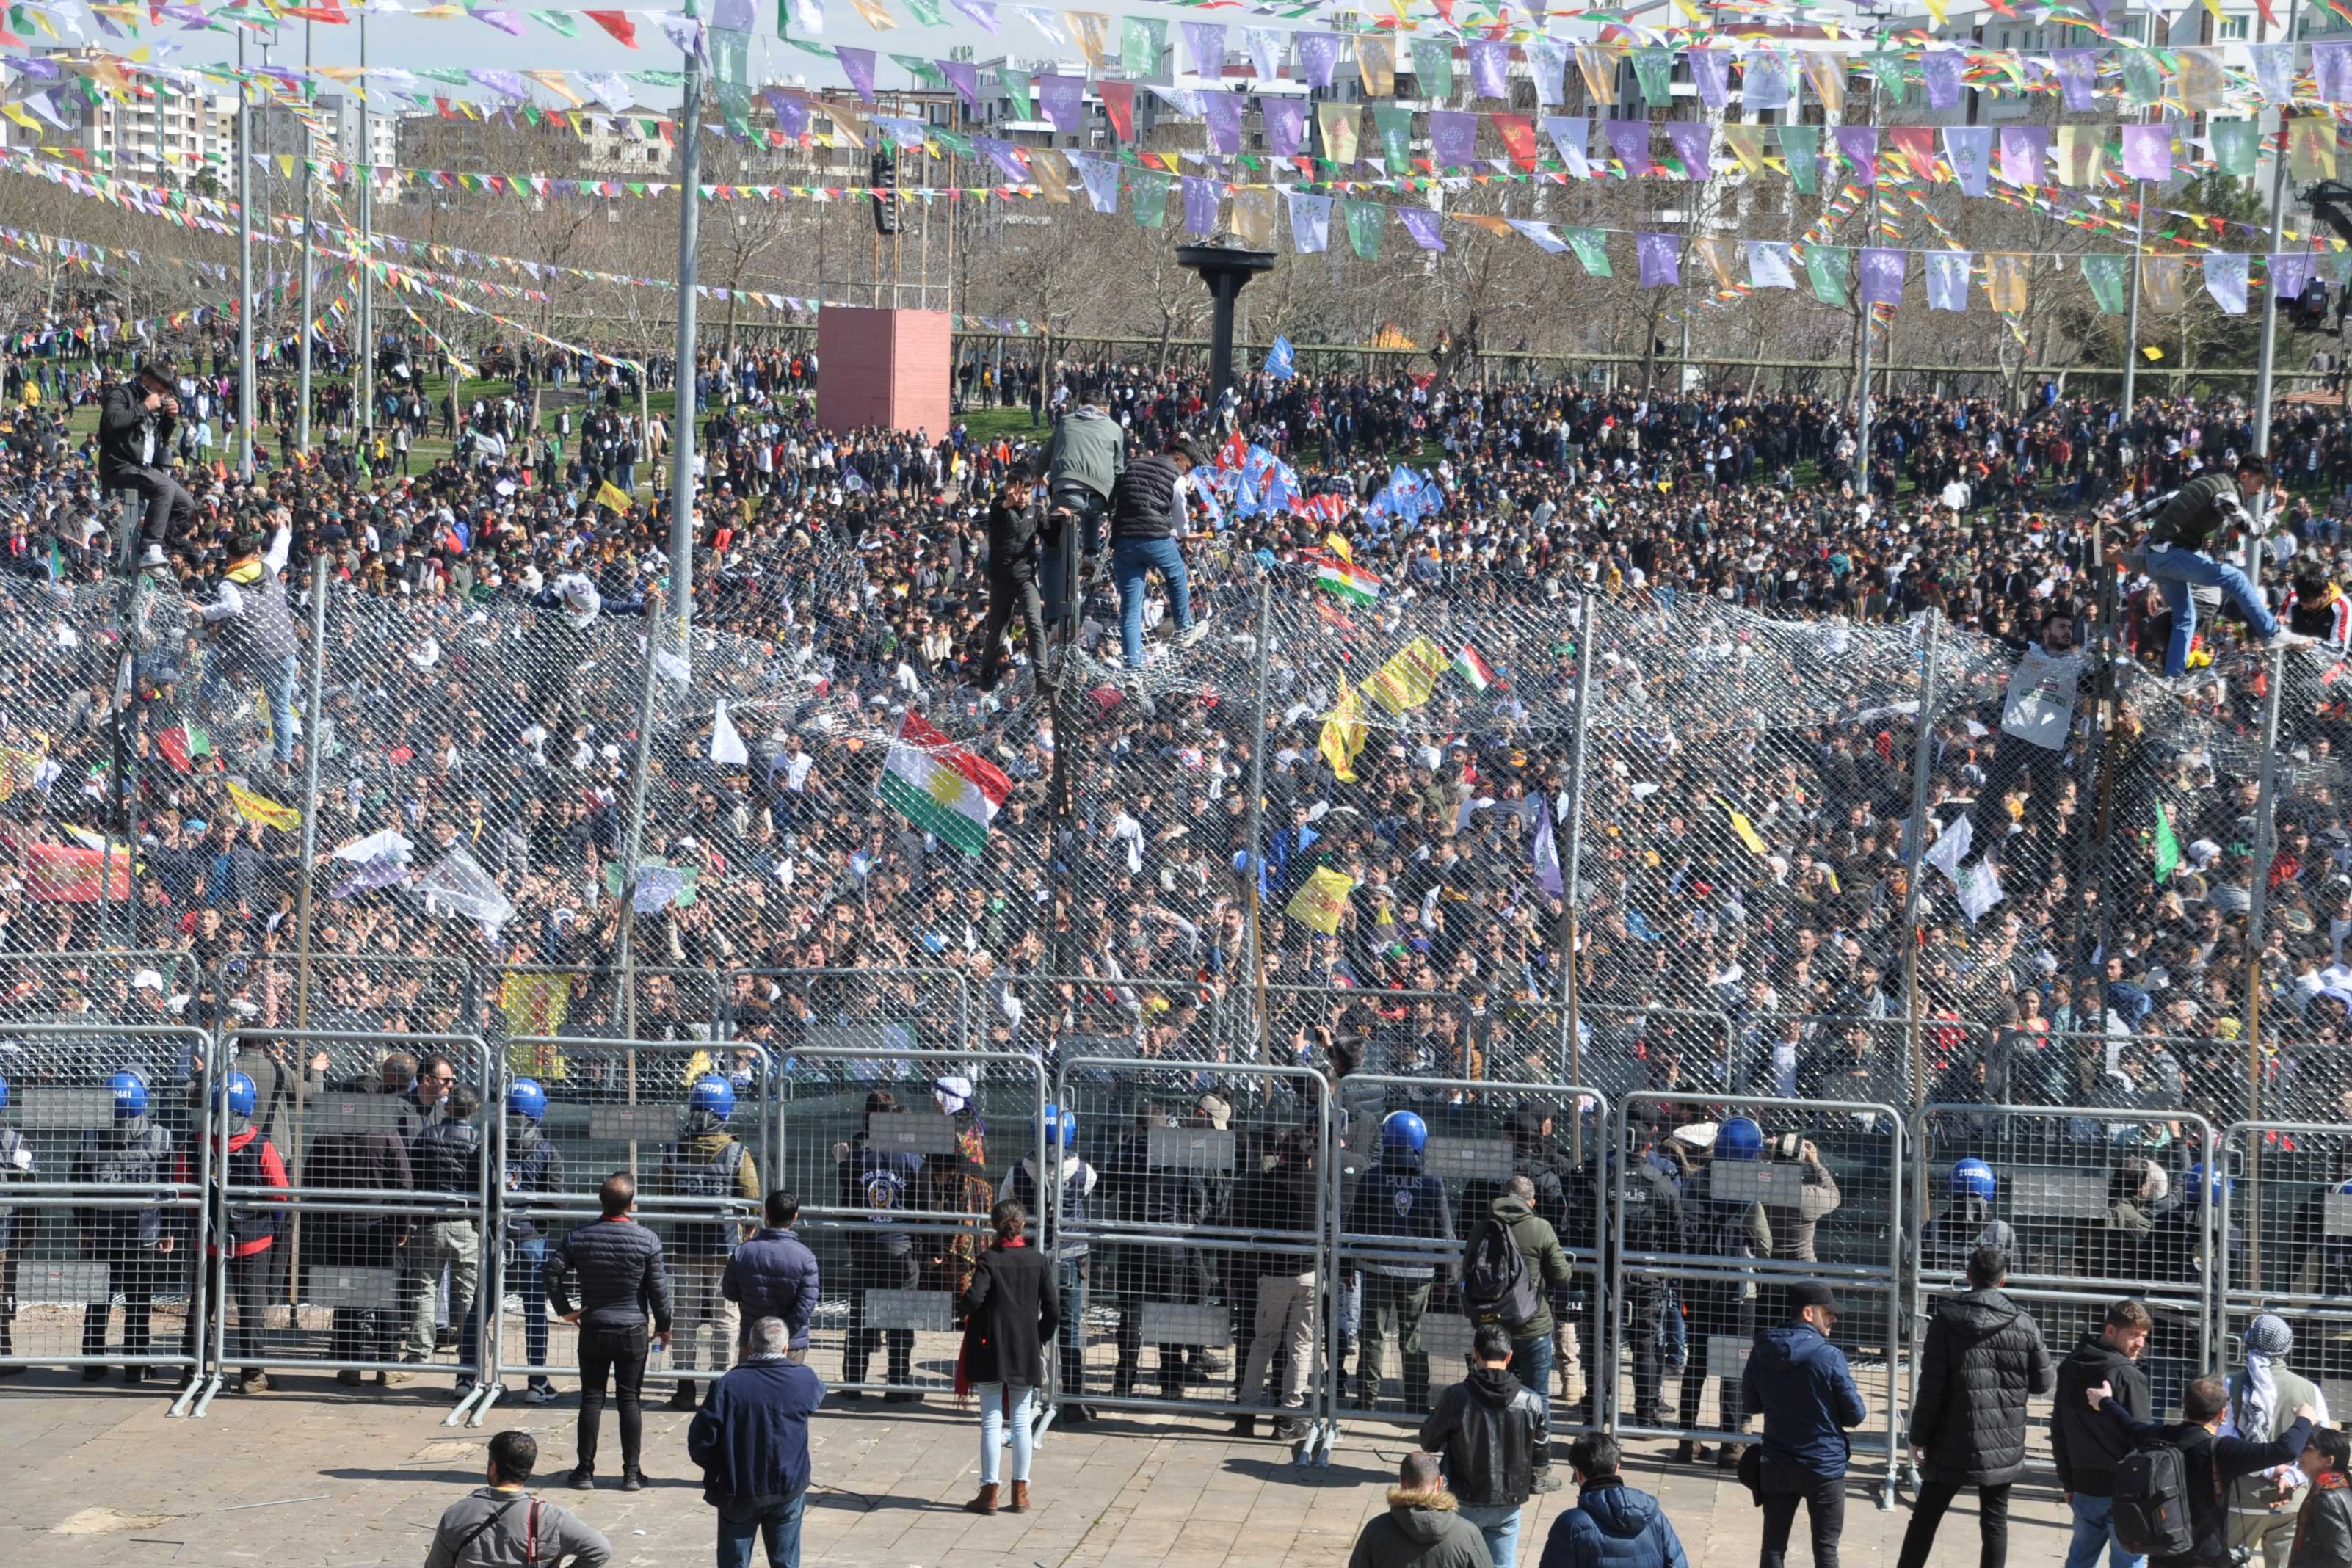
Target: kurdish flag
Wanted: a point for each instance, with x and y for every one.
(940, 787)
(1472, 669)
(1348, 581)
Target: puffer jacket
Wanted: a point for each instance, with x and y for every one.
(1490, 1429)
(1613, 1526)
(1802, 1384)
(1984, 1355)
(616, 1267)
(774, 1274)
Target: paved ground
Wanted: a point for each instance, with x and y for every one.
(308, 1475)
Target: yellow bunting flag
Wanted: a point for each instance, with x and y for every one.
(609, 494)
(1747, 831)
(1343, 734)
(263, 810)
(1321, 900)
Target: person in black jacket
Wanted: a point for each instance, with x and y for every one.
(2213, 1461)
(1279, 1207)
(1146, 515)
(2323, 1531)
(2088, 1448)
(1489, 1428)
(1010, 1314)
(1983, 1356)
(135, 420)
(1013, 582)
(876, 1179)
(618, 1263)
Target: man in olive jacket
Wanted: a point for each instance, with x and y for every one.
(1547, 1262)
(1983, 1356)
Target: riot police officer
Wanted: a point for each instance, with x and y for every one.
(1724, 1231)
(531, 1169)
(1063, 1189)
(1397, 1198)
(877, 1180)
(709, 1164)
(130, 1245)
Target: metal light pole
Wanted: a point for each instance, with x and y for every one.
(681, 438)
(244, 264)
(366, 367)
(2270, 327)
(302, 360)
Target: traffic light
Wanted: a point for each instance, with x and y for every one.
(885, 181)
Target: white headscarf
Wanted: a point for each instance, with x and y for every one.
(2268, 1341)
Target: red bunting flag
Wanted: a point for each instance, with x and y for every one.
(617, 22)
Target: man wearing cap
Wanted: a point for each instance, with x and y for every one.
(1802, 1384)
(135, 420)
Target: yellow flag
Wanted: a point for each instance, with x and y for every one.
(1747, 830)
(2005, 280)
(535, 1003)
(1936, 9)
(1321, 900)
(609, 494)
(1405, 682)
(2311, 143)
(263, 810)
(1343, 734)
(1338, 547)
(1747, 144)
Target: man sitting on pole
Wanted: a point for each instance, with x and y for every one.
(135, 420)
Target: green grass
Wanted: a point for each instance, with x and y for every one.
(1013, 424)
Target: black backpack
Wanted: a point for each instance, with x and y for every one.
(2152, 1517)
(1496, 1285)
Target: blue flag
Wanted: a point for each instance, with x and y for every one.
(1280, 363)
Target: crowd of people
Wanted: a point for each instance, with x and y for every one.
(1749, 599)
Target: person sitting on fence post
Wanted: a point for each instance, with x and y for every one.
(709, 1164)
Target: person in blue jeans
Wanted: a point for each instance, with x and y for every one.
(750, 1438)
(2178, 553)
(2086, 1447)
(1147, 517)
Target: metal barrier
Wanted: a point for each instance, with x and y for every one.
(1610, 1061)
(377, 1194)
(622, 1105)
(897, 1158)
(1058, 1015)
(2289, 1242)
(2090, 1205)
(1480, 1135)
(1196, 1206)
(832, 1009)
(1411, 1034)
(363, 995)
(1704, 1246)
(673, 1004)
(107, 1209)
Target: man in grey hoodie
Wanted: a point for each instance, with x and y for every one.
(501, 1523)
(1087, 453)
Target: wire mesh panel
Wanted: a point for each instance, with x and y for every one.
(1099, 1011)
(1202, 1240)
(1401, 1305)
(792, 1010)
(692, 1124)
(363, 995)
(1720, 1204)
(1402, 1033)
(101, 1199)
(137, 986)
(1625, 1047)
(2290, 1243)
(672, 1003)
(897, 1158)
(2092, 1205)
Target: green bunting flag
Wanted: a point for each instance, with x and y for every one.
(1827, 264)
(1591, 247)
(1365, 221)
(2167, 847)
(1801, 145)
(2104, 274)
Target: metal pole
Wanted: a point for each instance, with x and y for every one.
(1255, 816)
(302, 361)
(1923, 734)
(2131, 310)
(633, 828)
(312, 723)
(2265, 849)
(244, 264)
(2265, 364)
(681, 440)
(1862, 412)
(1570, 888)
(366, 368)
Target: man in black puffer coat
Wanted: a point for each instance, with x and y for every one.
(1984, 1354)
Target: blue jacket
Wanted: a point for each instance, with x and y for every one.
(1613, 1526)
(751, 1437)
(1802, 1384)
(773, 1276)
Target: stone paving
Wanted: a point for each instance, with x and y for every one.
(310, 1474)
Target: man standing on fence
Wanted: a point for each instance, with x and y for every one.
(2086, 1445)
(1983, 1356)
(706, 1164)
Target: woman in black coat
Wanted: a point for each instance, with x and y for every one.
(1010, 1314)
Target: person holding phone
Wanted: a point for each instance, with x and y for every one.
(616, 1264)
(136, 421)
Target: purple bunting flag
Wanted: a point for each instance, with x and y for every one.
(1661, 255)
(1064, 99)
(1694, 142)
(1422, 223)
(1286, 124)
(1860, 145)
(1453, 137)
(1882, 277)
(1490, 61)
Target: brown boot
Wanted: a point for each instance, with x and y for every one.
(985, 1503)
(1020, 1503)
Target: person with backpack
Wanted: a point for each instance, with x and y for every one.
(2172, 1493)
(1982, 1357)
(1512, 1264)
(503, 1523)
(1801, 1382)
(1489, 1429)
(2322, 1529)
(2264, 1508)
(2088, 1448)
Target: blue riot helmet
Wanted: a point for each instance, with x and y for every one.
(714, 1095)
(237, 1093)
(1061, 1127)
(1739, 1139)
(527, 1098)
(1974, 1179)
(1403, 1130)
(129, 1091)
